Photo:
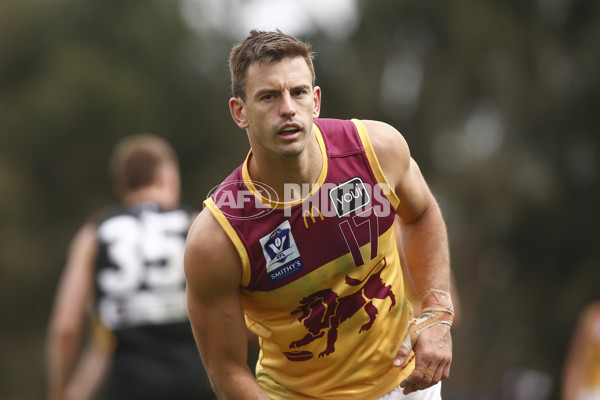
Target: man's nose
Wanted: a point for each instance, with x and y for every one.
(287, 106)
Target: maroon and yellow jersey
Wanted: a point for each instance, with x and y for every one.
(322, 285)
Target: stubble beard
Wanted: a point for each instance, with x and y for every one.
(296, 148)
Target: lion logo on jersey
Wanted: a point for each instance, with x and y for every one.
(322, 312)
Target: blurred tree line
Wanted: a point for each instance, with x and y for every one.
(497, 99)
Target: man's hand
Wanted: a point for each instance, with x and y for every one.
(433, 356)
(430, 337)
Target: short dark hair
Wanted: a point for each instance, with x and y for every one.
(263, 46)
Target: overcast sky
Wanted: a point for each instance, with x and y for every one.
(337, 18)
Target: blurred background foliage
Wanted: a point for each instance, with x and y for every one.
(498, 101)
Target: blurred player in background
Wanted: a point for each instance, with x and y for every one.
(126, 267)
(581, 374)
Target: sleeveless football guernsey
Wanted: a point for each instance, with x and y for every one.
(141, 304)
(322, 285)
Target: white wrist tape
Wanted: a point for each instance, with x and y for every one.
(431, 316)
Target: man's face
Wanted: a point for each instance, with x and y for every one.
(279, 108)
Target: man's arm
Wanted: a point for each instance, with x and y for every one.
(69, 313)
(409, 285)
(425, 245)
(213, 271)
(95, 362)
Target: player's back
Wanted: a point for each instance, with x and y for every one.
(141, 305)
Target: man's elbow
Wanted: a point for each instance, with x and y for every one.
(63, 333)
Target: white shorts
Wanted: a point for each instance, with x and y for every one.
(589, 394)
(432, 393)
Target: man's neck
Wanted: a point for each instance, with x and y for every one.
(150, 194)
(279, 172)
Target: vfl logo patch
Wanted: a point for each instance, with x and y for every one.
(349, 196)
(281, 253)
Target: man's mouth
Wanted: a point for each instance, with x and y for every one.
(289, 130)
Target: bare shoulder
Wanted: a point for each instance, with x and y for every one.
(76, 283)
(208, 241)
(591, 313)
(390, 148)
(84, 246)
(203, 232)
(86, 235)
(210, 260)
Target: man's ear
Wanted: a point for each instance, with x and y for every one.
(317, 101)
(238, 112)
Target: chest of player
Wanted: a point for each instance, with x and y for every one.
(341, 220)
